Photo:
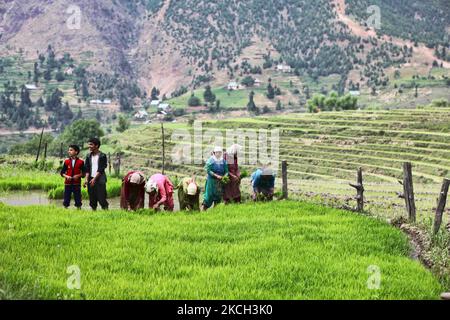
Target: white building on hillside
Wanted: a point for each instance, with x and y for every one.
(155, 103)
(165, 107)
(141, 115)
(100, 102)
(233, 85)
(284, 68)
(30, 87)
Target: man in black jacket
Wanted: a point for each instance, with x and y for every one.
(95, 165)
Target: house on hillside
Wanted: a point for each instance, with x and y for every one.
(141, 115)
(355, 93)
(100, 102)
(258, 83)
(233, 85)
(30, 87)
(69, 71)
(165, 107)
(284, 68)
(155, 103)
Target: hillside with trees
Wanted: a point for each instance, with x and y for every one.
(281, 53)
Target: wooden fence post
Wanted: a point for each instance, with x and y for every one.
(284, 175)
(40, 145)
(109, 162)
(45, 151)
(359, 190)
(441, 205)
(116, 165)
(408, 191)
(120, 163)
(163, 149)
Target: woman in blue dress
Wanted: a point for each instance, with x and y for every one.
(216, 168)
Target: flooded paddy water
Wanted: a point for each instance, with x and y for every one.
(40, 198)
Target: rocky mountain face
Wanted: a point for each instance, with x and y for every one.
(169, 43)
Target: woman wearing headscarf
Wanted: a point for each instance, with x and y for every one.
(189, 194)
(263, 184)
(132, 194)
(160, 192)
(232, 191)
(216, 169)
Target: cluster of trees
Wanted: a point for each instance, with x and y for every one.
(179, 92)
(252, 108)
(49, 67)
(308, 38)
(442, 52)
(272, 91)
(18, 114)
(332, 102)
(208, 96)
(48, 110)
(209, 100)
(25, 113)
(4, 63)
(77, 133)
(417, 20)
(60, 113)
(247, 68)
(109, 86)
(150, 6)
(127, 91)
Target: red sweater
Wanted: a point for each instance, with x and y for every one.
(73, 171)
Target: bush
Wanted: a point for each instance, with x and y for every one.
(124, 124)
(440, 103)
(81, 131)
(194, 101)
(248, 81)
(320, 102)
(179, 112)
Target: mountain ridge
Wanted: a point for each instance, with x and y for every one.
(169, 44)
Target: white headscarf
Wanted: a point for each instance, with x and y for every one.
(192, 189)
(218, 149)
(151, 186)
(234, 149)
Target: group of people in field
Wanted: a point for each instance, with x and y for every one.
(223, 183)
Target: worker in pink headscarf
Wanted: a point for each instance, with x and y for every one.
(160, 192)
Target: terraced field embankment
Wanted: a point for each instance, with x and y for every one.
(324, 151)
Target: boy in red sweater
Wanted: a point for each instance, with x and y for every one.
(72, 171)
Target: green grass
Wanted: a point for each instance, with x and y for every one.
(113, 188)
(283, 250)
(325, 150)
(21, 179)
(236, 99)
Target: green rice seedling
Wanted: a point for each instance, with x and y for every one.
(277, 250)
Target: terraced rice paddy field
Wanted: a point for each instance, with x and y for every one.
(324, 152)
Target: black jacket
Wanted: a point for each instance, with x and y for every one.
(102, 165)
